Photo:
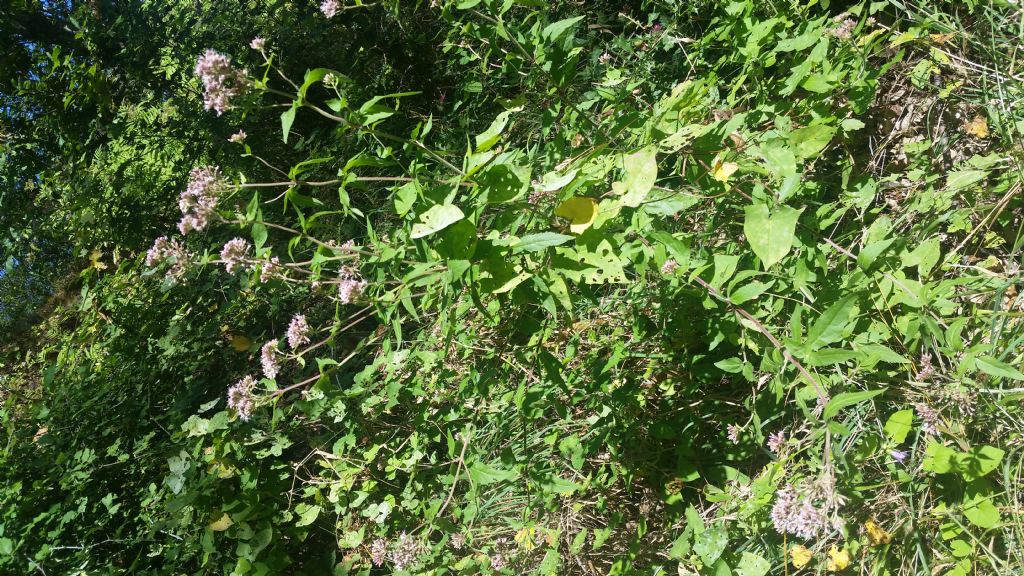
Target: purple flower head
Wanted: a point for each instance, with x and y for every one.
(240, 397)
(199, 200)
(734, 433)
(329, 8)
(270, 269)
(238, 137)
(269, 359)
(377, 551)
(169, 249)
(298, 331)
(776, 441)
(898, 455)
(257, 43)
(669, 267)
(349, 289)
(796, 514)
(234, 254)
(221, 81)
(407, 551)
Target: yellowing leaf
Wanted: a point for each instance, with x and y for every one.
(941, 38)
(222, 523)
(838, 559)
(722, 170)
(525, 538)
(580, 212)
(240, 343)
(94, 257)
(876, 534)
(978, 127)
(800, 556)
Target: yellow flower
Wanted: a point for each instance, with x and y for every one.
(977, 127)
(838, 559)
(876, 534)
(800, 555)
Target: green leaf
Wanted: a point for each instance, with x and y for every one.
(307, 514)
(964, 178)
(752, 565)
(810, 141)
(259, 235)
(287, 118)
(770, 234)
(539, 241)
(978, 462)
(553, 31)
(435, 219)
(993, 367)
(829, 327)
(748, 292)
(938, 458)
(898, 425)
(679, 249)
(488, 138)
(710, 544)
(845, 399)
(486, 474)
(978, 506)
(641, 171)
(405, 197)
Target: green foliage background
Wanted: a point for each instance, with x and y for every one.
(632, 269)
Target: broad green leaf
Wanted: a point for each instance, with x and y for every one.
(539, 241)
(978, 462)
(993, 367)
(405, 197)
(641, 171)
(486, 474)
(830, 356)
(978, 506)
(679, 249)
(710, 544)
(770, 233)
(307, 514)
(964, 178)
(898, 425)
(488, 138)
(435, 219)
(938, 458)
(846, 399)
(752, 565)
(748, 291)
(829, 327)
(287, 118)
(555, 30)
(808, 142)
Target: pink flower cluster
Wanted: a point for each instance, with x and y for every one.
(221, 81)
(240, 398)
(270, 269)
(269, 359)
(168, 249)
(298, 331)
(330, 8)
(199, 200)
(797, 515)
(234, 254)
(258, 43)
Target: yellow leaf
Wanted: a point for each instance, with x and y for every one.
(977, 127)
(941, 38)
(580, 212)
(876, 534)
(800, 556)
(240, 343)
(524, 538)
(94, 257)
(222, 523)
(838, 559)
(722, 170)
